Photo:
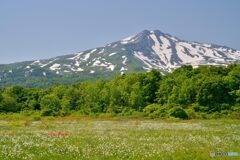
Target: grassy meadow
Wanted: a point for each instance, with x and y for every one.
(115, 138)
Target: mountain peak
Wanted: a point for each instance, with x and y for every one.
(148, 32)
(157, 31)
(145, 32)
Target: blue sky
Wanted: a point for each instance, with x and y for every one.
(31, 29)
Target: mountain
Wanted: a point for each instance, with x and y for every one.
(141, 52)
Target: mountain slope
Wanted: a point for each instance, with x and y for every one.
(141, 52)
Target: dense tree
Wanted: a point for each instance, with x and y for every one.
(50, 105)
(151, 84)
(8, 103)
(212, 92)
(186, 90)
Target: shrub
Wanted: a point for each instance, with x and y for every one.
(191, 113)
(215, 115)
(234, 115)
(126, 112)
(36, 117)
(50, 105)
(198, 108)
(47, 112)
(178, 112)
(236, 108)
(150, 109)
(155, 111)
(115, 109)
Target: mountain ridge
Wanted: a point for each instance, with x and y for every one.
(140, 52)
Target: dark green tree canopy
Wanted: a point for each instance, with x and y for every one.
(205, 89)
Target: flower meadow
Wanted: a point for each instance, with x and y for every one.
(92, 139)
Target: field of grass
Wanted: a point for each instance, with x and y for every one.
(117, 139)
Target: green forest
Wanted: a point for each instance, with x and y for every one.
(186, 93)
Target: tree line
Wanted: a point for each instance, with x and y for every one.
(185, 93)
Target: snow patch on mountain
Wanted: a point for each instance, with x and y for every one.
(102, 51)
(55, 66)
(35, 62)
(130, 39)
(48, 63)
(111, 54)
(77, 56)
(124, 60)
(157, 49)
(111, 67)
(77, 70)
(143, 58)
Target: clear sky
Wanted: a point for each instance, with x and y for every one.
(36, 29)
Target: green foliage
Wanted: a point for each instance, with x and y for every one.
(178, 112)
(204, 92)
(8, 103)
(156, 111)
(50, 105)
(151, 109)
